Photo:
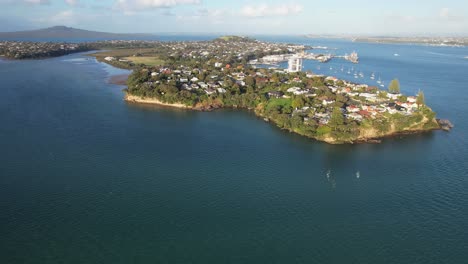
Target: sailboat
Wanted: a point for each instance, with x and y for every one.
(372, 76)
(379, 81)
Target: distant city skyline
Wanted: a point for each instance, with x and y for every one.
(360, 17)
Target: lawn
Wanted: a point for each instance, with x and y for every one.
(150, 61)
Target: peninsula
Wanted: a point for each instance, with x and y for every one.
(208, 75)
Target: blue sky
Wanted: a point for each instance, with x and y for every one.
(397, 17)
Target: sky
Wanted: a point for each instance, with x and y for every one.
(357, 17)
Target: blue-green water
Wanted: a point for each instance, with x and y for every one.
(88, 178)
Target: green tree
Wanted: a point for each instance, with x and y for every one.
(336, 118)
(250, 81)
(298, 102)
(394, 86)
(420, 100)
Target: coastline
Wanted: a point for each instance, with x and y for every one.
(146, 100)
(370, 135)
(119, 79)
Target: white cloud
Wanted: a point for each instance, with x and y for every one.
(66, 17)
(265, 10)
(139, 5)
(37, 2)
(448, 15)
(72, 2)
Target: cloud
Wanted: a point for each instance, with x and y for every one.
(72, 2)
(140, 5)
(28, 2)
(37, 2)
(66, 17)
(448, 15)
(265, 10)
(211, 16)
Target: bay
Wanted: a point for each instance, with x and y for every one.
(88, 178)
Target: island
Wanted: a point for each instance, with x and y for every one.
(225, 73)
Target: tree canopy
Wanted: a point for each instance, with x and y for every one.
(394, 86)
(420, 100)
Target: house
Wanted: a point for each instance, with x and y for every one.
(241, 83)
(354, 116)
(194, 79)
(221, 90)
(293, 89)
(352, 109)
(183, 80)
(393, 96)
(210, 91)
(412, 99)
(154, 74)
(218, 64)
(275, 94)
(203, 85)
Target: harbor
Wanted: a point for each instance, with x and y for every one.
(275, 60)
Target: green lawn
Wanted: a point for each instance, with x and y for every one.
(150, 61)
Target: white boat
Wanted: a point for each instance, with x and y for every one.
(379, 81)
(396, 55)
(372, 76)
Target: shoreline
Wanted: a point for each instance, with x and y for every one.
(373, 138)
(146, 100)
(118, 79)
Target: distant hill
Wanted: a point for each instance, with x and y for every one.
(235, 39)
(62, 32)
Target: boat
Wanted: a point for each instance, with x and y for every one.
(372, 76)
(361, 74)
(379, 81)
(396, 55)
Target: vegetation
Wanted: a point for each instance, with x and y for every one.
(420, 98)
(394, 86)
(208, 75)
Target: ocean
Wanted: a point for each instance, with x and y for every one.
(86, 177)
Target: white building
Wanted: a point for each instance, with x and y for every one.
(294, 64)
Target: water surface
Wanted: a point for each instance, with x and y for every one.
(88, 178)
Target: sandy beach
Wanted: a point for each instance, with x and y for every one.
(143, 100)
